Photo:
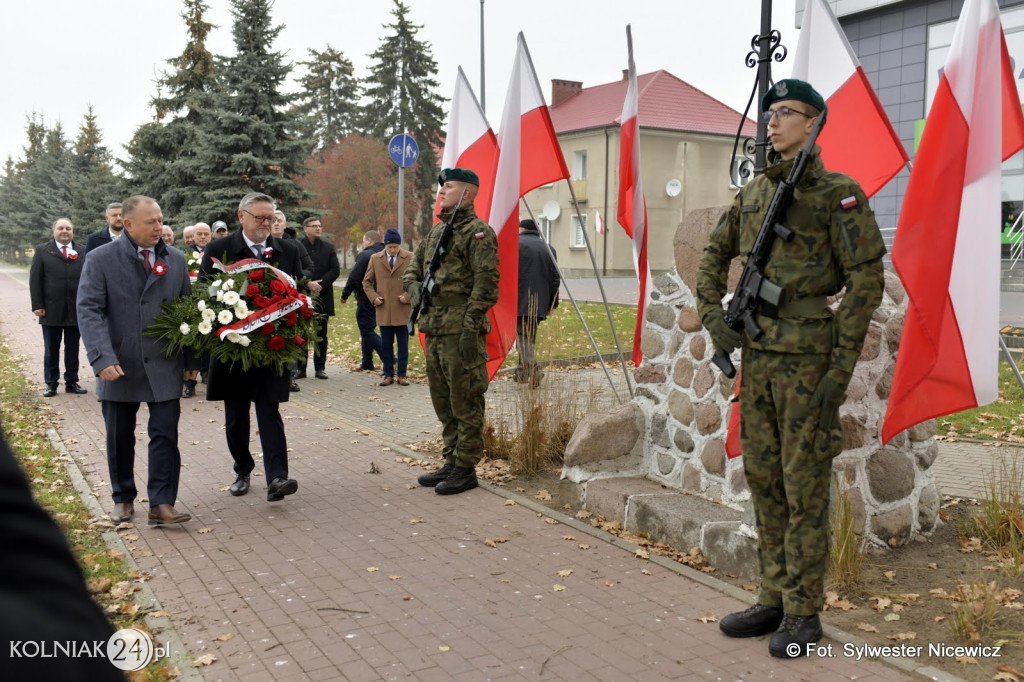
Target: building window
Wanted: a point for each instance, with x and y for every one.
(578, 240)
(579, 165)
(544, 225)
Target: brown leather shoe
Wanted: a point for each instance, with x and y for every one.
(123, 512)
(387, 381)
(402, 381)
(166, 514)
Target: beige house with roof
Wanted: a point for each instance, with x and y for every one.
(686, 145)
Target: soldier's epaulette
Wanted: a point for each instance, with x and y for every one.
(849, 202)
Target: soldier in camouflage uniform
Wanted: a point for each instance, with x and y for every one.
(456, 327)
(795, 376)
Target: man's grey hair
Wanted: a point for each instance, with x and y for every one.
(116, 204)
(253, 197)
(132, 202)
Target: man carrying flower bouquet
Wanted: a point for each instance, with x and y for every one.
(264, 384)
(121, 291)
(201, 236)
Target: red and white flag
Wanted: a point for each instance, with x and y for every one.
(528, 156)
(632, 204)
(947, 248)
(598, 223)
(470, 143)
(858, 139)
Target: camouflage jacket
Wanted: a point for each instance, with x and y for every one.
(467, 279)
(836, 244)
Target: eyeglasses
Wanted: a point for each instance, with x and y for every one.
(261, 218)
(783, 113)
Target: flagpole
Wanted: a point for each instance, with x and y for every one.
(600, 286)
(576, 307)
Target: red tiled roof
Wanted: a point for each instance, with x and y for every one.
(665, 102)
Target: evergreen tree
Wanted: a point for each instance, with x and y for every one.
(42, 183)
(93, 183)
(402, 94)
(246, 143)
(162, 153)
(328, 103)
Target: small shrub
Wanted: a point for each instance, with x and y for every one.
(846, 551)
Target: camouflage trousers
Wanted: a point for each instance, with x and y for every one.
(788, 475)
(457, 392)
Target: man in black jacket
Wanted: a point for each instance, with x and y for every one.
(53, 286)
(263, 386)
(366, 314)
(113, 230)
(538, 296)
(325, 270)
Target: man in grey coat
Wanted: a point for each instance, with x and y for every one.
(122, 288)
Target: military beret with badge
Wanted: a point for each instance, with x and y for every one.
(794, 89)
(458, 175)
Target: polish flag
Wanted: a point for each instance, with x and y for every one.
(529, 156)
(470, 143)
(858, 139)
(632, 204)
(946, 249)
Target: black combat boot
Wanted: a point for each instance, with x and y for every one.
(793, 636)
(435, 477)
(756, 621)
(460, 480)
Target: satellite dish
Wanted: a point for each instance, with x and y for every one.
(552, 210)
(673, 187)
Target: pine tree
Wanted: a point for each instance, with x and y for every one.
(42, 183)
(402, 94)
(246, 143)
(93, 183)
(329, 100)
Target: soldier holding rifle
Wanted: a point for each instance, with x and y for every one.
(457, 266)
(798, 354)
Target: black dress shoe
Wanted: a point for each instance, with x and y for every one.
(321, 374)
(73, 387)
(793, 636)
(188, 391)
(435, 477)
(50, 392)
(460, 480)
(756, 621)
(167, 515)
(299, 374)
(280, 487)
(240, 486)
(123, 512)
(294, 387)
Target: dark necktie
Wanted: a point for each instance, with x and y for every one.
(391, 260)
(258, 248)
(64, 250)
(145, 261)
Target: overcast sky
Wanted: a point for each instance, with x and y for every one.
(59, 56)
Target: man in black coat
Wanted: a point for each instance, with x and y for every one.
(113, 230)
(538, 296)
(366, 313)
(263, 386)
(53, 286)
(326, 269)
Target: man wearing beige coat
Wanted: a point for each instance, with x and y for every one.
(383, 286)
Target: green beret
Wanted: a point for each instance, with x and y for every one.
(792, 88)
(458, 175)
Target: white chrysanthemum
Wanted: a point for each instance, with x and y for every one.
(209, 315)
(219, 296)
(233, 337)
(241, 310)
(184, 328)
(229, 284)
(225, 317)
(243, 341)
(215, 285)
(205, 327)
(201, 306)
(231, 297)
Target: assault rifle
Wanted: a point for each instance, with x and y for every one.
(428, 287)
(755, 292)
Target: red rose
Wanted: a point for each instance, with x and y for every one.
(278, 287)
(252, 291)
(293, 292)
(291, 318)
(307, 312)
(256, 275)
(268, 328)
(276, 342)
(261, 301)
(276, 298)
(299, 341)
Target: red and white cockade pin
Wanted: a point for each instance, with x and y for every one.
(160, 269)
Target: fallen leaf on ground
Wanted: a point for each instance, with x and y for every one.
(509, 503)
(493, 542)
(372, 569)
(223, 638)
(708, 618)
(584, 546)
(564, 573)
(550, 521)
(208, 659)
(204, 531)
(866, 628)
(542, 495)
(903, 636)
(558, 588)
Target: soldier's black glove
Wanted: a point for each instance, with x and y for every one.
(414, 294)
(467, 346)
(829, 396)
(723, 337)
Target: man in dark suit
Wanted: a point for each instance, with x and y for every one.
(53, 286)
(122, 289)
(113, 230)
(366, 313)
(201, 236)
(326, 269)
(263, 386)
